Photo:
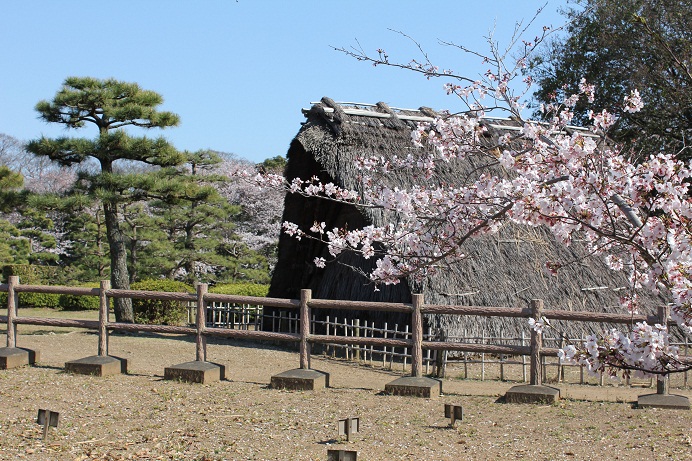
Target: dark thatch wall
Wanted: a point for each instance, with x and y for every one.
(505, 269)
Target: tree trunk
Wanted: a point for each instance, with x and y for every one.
(119, 275)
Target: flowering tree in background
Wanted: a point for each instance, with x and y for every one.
(575, 182)
(258, 224)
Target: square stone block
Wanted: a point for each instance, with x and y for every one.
(666, 401)
(415, 387)
(97, 365)
(300, 379)
(195, 372)
(530, 393)
(13, 357)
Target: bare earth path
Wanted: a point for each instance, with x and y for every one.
(141, 416)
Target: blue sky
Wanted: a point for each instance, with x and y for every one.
(238, 73)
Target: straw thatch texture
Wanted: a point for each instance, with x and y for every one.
(505, 269)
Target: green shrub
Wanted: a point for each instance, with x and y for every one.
(157, 311)
(241, 289)
(47, 300)
(80, 303)
(30, 274)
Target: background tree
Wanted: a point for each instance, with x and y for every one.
(273, 164)
(198, 224)
(82, 226)
(10, 184)
(620, 45)
(258, 224)
(110, 106)
(144, 235)
(13, 248)
(39, 173)
(26, 232)
(38, 228)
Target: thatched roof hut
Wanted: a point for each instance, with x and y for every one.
(504, 269)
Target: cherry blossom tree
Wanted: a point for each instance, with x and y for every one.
(258, 225)
(40, 174)
(574, 181)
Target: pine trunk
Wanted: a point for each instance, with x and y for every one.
(119, 274)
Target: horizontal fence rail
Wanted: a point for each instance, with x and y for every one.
(413, 342)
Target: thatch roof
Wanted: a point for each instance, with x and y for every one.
(504, 269)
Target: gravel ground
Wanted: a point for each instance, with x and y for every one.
(141, 416)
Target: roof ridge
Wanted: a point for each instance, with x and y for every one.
(362, 110)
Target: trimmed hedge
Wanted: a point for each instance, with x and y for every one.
(146, 311)
(241, 289)
(30, 274)
(47, 300)
(157, 311)
(81, 303)
(55, 301)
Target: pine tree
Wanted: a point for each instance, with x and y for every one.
(110, 106)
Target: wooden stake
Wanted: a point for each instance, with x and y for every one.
(305, 298)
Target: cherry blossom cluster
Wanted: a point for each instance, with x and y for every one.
(644, 350)
(637, 215)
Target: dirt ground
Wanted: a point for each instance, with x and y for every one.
(141, 416)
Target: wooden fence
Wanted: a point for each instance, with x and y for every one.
(438, 360)
(415, 343)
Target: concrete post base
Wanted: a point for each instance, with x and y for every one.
(667, 401)
(13, 357)
(300, 379)
(97, 365)
(415, 386)
(530, 393)
(195, 372)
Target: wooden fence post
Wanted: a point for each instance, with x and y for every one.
(305, 298)
(536, 343)
(417, 336)
(663, 384)
(200, 322)
(12, 302)
(103, 318)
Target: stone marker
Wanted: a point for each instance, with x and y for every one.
(454, 413)
(342, 455)
(349, 426)
(47, 418)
